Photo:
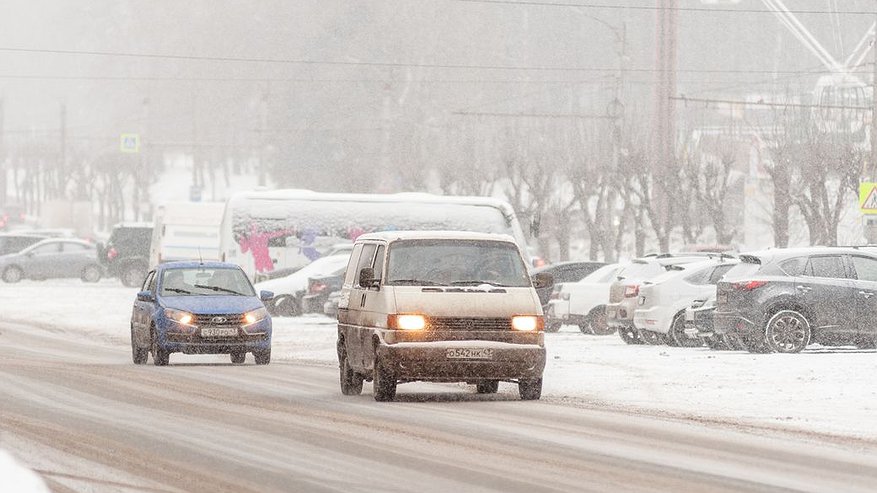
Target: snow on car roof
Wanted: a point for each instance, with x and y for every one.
(287, 194)
(435, 235)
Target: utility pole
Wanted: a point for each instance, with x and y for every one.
(62, 158)
(664, 133)
(872, 171)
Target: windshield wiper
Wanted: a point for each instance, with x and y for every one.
(217, 288)
(477, 282)
(178, 290)
(415, 282)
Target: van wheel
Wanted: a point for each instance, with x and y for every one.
(384, 383)
(530, 388)
(12, 275)
(351, 382)
(487, 386)
(787, 332)
(238, 357)
(91, 273)
(630, 335)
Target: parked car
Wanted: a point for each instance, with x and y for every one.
(199, 308)
(784, 300)
(126, 253)
(318, 290)
(564, 272)
(290, 290)
(330, 307)
(699, 324)
(11, 214)
(442, 307)
(582, 303)
(660, 316)
(624, 292)
(14, 243)
(52, 259)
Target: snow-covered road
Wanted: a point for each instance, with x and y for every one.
(613, 417)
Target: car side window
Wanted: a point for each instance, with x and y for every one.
(795, 266)
(866, 268)
(365, 260)
(379, 262)
(718, 273)
(829, 266)
(74, 248)
(352, 263)
(48, 249)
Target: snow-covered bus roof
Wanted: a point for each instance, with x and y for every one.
(291, 194)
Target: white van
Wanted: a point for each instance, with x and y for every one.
(287, 229)
(441, 307)
(186, 231)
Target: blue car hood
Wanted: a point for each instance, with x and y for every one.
(208, 305)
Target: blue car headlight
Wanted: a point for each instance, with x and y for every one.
(180, 317)
(255, 316)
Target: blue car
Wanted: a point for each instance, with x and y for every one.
(200, 308)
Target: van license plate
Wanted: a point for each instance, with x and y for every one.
(218, 332)
(469, 353)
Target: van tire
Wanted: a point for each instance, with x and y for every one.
(530, 388)
(487, 386)
(384, 383)
(351, 382)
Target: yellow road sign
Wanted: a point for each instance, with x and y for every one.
(868, 198)
(129, 143)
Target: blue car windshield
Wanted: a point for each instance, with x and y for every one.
(199, 281)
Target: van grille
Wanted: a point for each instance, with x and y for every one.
(220, 321)
(470, 324)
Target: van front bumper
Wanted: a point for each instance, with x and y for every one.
(461, 361)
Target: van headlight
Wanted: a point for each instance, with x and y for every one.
(407, 321)
(255, 316)
(180, 317)
(528, 323)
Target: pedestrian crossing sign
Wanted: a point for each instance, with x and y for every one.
(129, 143)
(868, 198)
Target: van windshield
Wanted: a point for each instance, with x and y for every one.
(439, 262)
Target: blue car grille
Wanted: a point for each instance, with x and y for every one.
(220, 320)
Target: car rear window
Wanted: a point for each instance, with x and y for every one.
(742, 270)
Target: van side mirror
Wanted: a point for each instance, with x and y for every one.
(367, 278)
(543, 280)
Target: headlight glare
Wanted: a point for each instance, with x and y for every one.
(408, 322)
(255, 316)
(179, 316)
(527, 323)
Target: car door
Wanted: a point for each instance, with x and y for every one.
(865, 274)
(41, 262)
(73, 259)
(374, 312)
(830, 296)
(141, 318)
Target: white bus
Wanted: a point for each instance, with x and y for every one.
(287, 229)
(186, 231)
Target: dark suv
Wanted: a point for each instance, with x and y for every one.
(784, 300)
(126, 254)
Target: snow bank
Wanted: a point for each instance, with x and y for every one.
(15, 478)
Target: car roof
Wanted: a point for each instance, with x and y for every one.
(434, 235)
(785, 253)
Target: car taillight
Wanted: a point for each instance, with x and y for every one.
(631, 291)
(112, 253)
(748, 285)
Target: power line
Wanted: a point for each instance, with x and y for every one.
(379, 64)
(654, 7)
(770, 105)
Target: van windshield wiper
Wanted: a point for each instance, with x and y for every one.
(477, 282)
(414, 282)
(217, 288)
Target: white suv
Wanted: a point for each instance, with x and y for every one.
(582, 303)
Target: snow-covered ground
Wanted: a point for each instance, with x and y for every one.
(821, 390)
